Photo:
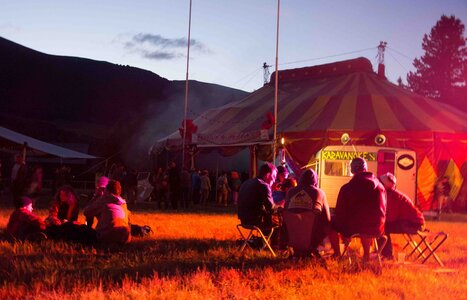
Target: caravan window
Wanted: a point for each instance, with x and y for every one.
(337, 168)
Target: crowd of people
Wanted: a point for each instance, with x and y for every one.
(174, 188)
(366, 205)
(62, 223)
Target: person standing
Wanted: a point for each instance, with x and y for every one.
(185, 185)
(131, 185)
(205, 187)
(196, 186)
(235, 186)
(174, 185)
(360, 207)
(19, 175)
(222, 189)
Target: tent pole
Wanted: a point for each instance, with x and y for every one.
(253, 161)
(186, 89)
(276, 88)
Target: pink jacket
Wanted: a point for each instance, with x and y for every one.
(112, 219)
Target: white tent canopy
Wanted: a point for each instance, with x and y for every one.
(40, 145)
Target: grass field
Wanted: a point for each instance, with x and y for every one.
(194, 256)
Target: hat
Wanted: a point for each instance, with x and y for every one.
(25, 201)
(388, 180)
(102, 182)
(358, 165)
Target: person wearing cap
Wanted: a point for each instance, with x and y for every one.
(402, 216)
(23, 223)
(101, 184)
(112, 215)
(360, 207)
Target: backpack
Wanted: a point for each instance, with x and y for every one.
(141, 231)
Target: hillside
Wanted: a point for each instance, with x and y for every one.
(95, 101)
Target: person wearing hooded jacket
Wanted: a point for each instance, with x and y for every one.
(360, 207)
(112, 215)
(307, 196)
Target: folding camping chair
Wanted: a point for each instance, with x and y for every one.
(251, 233)
(374, 243)
(299, 228)
(424, 245)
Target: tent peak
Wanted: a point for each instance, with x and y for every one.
(344, 67)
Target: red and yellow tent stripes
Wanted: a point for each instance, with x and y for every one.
(316, 105)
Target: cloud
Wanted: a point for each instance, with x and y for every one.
(160, 55)
(157, 47)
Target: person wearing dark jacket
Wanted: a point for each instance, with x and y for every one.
(255, 203)
(23, 223)
(360, 207)
(402, 216)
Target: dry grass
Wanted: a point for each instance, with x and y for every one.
(193, 255)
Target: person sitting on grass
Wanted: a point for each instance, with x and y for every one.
(64, 208)
(101, 184)
(24, 224)
(402, 216)
(112, 215)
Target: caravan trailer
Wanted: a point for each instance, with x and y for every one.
(332, 164)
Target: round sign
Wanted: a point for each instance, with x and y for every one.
(406, 162)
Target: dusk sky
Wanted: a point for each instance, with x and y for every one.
(230, 38)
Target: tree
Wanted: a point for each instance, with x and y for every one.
(441, 72)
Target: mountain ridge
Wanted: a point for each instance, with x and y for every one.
(95, 101)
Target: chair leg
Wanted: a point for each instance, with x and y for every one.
(251, 233)
(425, 248)
(266, 240)
(245, 239)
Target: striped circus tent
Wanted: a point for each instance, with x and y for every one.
(316, 105)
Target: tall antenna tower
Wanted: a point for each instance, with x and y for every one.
(381, 49)
(266, 73)
(380, 56)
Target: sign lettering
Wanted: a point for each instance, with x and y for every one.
(347, 155)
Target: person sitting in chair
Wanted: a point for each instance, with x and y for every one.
(23, 223)
(306, 196)
(255, 204)
(360, 208)
(401, 214)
